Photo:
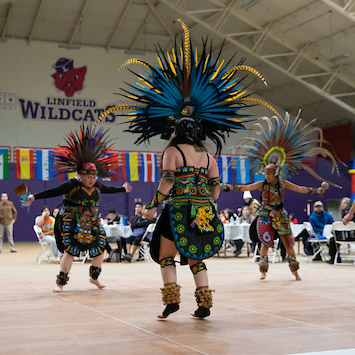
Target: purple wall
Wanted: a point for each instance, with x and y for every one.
(124, 203)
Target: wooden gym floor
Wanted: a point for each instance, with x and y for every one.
(275, 316)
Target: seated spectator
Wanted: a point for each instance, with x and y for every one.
(139, 225)
(46, 223)
(345, 205)
(55, 213)
(251, 202)
(112, 217)
(246, 217)
(293, 218)
(318, 219)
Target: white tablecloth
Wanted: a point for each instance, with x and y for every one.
(237, 231)
(117, 230)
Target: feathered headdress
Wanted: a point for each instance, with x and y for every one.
(286, 143)
(85, 147)
(205, 89)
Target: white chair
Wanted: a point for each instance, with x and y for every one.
(318, 244)
(275, 252)
(46, 250)
(143, 246)
(344, 238)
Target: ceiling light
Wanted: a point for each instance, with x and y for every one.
(250, 4)
(339, 57)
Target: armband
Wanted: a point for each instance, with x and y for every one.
(237, 187)
(214, 182)
(224, 187)
(159, 197)
(312, 190)
(168, 175)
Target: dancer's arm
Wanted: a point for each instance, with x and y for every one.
(57, 191)
(251, 187)
(349, 216)
(303, 189)
(166, 182)
(126, 187)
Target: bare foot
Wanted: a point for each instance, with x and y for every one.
(295, 273)
(263, 276)
(96, 282)
(58, 288)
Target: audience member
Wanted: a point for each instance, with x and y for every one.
(112, 217)
(139, 225)
(8, 215)
(319, 218)
(55, 213)
(251, 202)
(246, 217)
(345, 205)
(46, 223)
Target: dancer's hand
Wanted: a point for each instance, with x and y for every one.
(127, 186)
(149, 214)
(30, 199)
(347, 218)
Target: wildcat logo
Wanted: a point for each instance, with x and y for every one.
(68, 78)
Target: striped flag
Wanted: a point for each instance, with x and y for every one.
(225, 168)
(149, 167)
(24, 164)
(259, 177)
(4, 164)
(130, 167)
(45, 161)
(114, 172)
(67, 177)
(243, 170)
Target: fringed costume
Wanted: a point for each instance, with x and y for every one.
(279, 149)
(196, 98)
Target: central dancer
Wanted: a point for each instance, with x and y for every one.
(192, 100)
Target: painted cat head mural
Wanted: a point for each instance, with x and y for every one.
(68, 78)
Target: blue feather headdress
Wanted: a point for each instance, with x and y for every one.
(205, 89)
(286, 142)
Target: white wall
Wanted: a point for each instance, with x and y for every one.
(26, 71)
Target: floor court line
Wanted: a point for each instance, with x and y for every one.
(121, 321)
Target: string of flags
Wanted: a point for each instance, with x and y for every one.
(230, 168)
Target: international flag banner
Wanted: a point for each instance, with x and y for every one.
(44, 165)
(67, 177)
(114, 172)
(243, 170)
(4, 164)
(130, 167)
(225, 168)
(259, 177)
(24, 164)
(149, 167)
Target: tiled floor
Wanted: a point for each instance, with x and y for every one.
(275, 316)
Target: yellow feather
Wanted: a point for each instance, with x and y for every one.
(186, 45)
(244, 68)
(206, 61)
(133, 61)
(259, 102)
(171, 64)
(216, 72)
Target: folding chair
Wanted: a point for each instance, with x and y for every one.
(343, 238)
(275, 252)
(46, 250)
(84, 255)
(143, 246)
(317, 242)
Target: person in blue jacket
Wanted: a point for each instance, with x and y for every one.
(319, 218)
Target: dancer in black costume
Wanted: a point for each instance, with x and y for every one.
(77, 226)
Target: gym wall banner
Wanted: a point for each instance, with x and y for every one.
(69, 80)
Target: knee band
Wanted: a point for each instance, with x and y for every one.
(95, 272)
(200, 266)
(62, 278)
(167, 262)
